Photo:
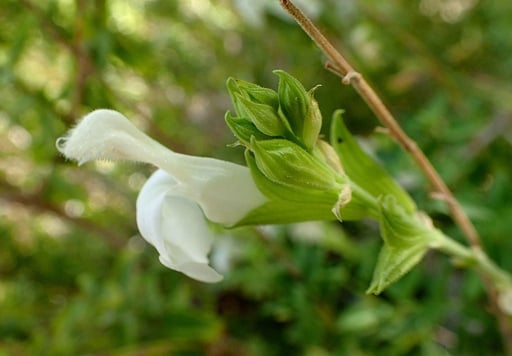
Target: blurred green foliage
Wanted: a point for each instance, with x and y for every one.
(75, 278)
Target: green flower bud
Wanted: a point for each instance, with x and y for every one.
(294, 101)
(362, 169)
(264, 116)
(406, 240)
(251, 92)
(286, 163)
(243, 129)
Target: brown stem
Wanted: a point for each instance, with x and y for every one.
(83, 66)
(339, 65)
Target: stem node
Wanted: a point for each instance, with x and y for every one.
(351, 77)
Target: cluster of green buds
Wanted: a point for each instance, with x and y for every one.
(305, 178)
(299, 173)
(291, 113)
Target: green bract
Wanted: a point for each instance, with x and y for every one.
(406, 240)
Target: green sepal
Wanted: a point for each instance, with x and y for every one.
(362, 169)
(286, 163)
(406, 240)
(243, 129)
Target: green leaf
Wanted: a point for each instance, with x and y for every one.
(362, 169)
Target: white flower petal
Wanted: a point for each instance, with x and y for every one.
(225, 191)
(200, 271)
(106, 134)
(176, 227)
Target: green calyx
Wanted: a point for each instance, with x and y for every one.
(300, 184)
(286, 163)
(243, 129)
(312, 121)
(300, 109)
(293, 100)
(288, 203)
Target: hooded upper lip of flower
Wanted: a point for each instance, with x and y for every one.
(171, 204)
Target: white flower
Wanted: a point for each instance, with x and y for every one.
(171, 204)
